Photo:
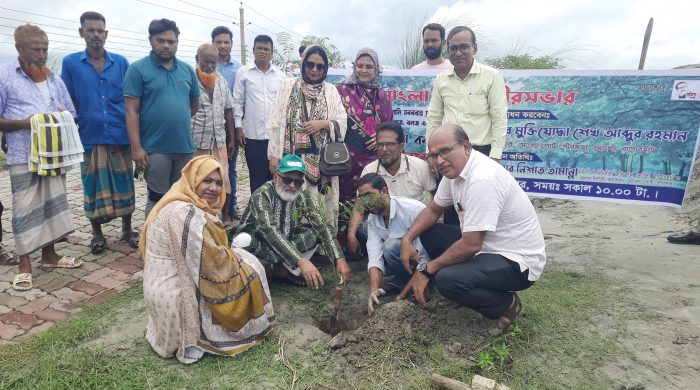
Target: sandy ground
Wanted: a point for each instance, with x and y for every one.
(627, 242)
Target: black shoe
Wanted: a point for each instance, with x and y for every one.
(684, 238)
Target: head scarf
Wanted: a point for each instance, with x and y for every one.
(185, 190)
(374, 83)
(314, 49)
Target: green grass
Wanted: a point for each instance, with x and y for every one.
(560, 346)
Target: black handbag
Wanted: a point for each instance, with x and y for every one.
(335, 157)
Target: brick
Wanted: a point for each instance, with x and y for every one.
(102, 296)
(24, 321)
(29, 295)
(38, 329)
(98, 274)
(133, 260)
(71, 295)
(38, 304)
(9, 331)
(58, 283)
(120, 246)
(90, 266)
(120, 265)
(52, 315)
(73, 272)
(65, 305)
(4, 309)
(86, 287)
(41, 280)
(123, 287)
(109, 282)
(11, 302)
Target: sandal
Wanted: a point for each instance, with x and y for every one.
(24, 278)
(98, 244)
(494, 327)
(8, 258)
(64, 262)
(132, 238)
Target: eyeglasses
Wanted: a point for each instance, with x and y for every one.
(386, 145)
(311, 65)
(463, 48)
(444, 152)
(288, 180)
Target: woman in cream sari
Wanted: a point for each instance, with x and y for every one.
(201, 295)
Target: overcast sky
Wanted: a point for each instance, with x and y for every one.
(591, 34)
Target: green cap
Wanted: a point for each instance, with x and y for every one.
(289, 163)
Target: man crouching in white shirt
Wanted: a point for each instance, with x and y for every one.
(500, 246)
(389, 219)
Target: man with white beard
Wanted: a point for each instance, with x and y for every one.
(286, 228)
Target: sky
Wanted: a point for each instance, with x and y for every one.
(586, 34)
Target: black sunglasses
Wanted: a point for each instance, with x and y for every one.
(288, 180)
(311, 65)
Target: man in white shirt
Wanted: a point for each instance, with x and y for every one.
(500, 246)
(389, 219)
(406, 176)
(254, 90)
(433, 42)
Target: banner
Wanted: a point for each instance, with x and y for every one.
(620, 136)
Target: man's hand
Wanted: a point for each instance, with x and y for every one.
(311, 275)
(374, 299)
(418, 285)
(231, 148)
(274, 162)
(311, 127)
(371, 143)
(140, 157)
(354, 246)
(240, 136)
(342, 268)
(408, 253)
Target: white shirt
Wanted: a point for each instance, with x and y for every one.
(425, 65)
(488, 198)
(44, 89)
(402, 215)
(411, 180)
(253, 93)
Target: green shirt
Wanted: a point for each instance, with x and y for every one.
(273, 220)
(164, 94)
(477, 103)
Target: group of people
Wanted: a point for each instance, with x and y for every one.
(182, 128)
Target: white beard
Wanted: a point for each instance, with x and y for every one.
(287, 196)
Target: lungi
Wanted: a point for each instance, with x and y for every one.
(108, 182)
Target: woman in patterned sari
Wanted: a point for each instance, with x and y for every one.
(201, 295)
(303, 115)
(367, 106)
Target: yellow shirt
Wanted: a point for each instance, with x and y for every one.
(477, 103)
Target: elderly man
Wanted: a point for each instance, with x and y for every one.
(433, 42)
(161, 95)
(214, 116)
(286, 227)
(40, 211)
(222, 38)
(256, 87)
(95, 78)
(471, 95)
(500, 246)
(406, 176)
(389, 219)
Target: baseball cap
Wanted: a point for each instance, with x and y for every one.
(289, 163)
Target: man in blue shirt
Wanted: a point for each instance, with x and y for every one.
(94, 78)
(222, 38)
(161, 96)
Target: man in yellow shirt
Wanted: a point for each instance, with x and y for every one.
(471, 95)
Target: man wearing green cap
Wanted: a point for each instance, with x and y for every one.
(286, 227)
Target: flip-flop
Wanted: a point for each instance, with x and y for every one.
(98, 244)
(22, 278)
(132, 238)
(65, 262)
(8, 258)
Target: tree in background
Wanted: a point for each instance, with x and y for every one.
(410, 41)
(335, 57)
(525, 61)
(286, 55)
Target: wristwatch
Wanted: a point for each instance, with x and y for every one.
(423, 268)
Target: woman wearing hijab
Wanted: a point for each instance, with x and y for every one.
(301, 122)
(367, 105)
(201, 295)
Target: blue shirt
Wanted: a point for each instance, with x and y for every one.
(229, 70)
(98, 98)
(20, 98)
(165, 94)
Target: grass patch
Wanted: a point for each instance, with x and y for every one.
(558, 343)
